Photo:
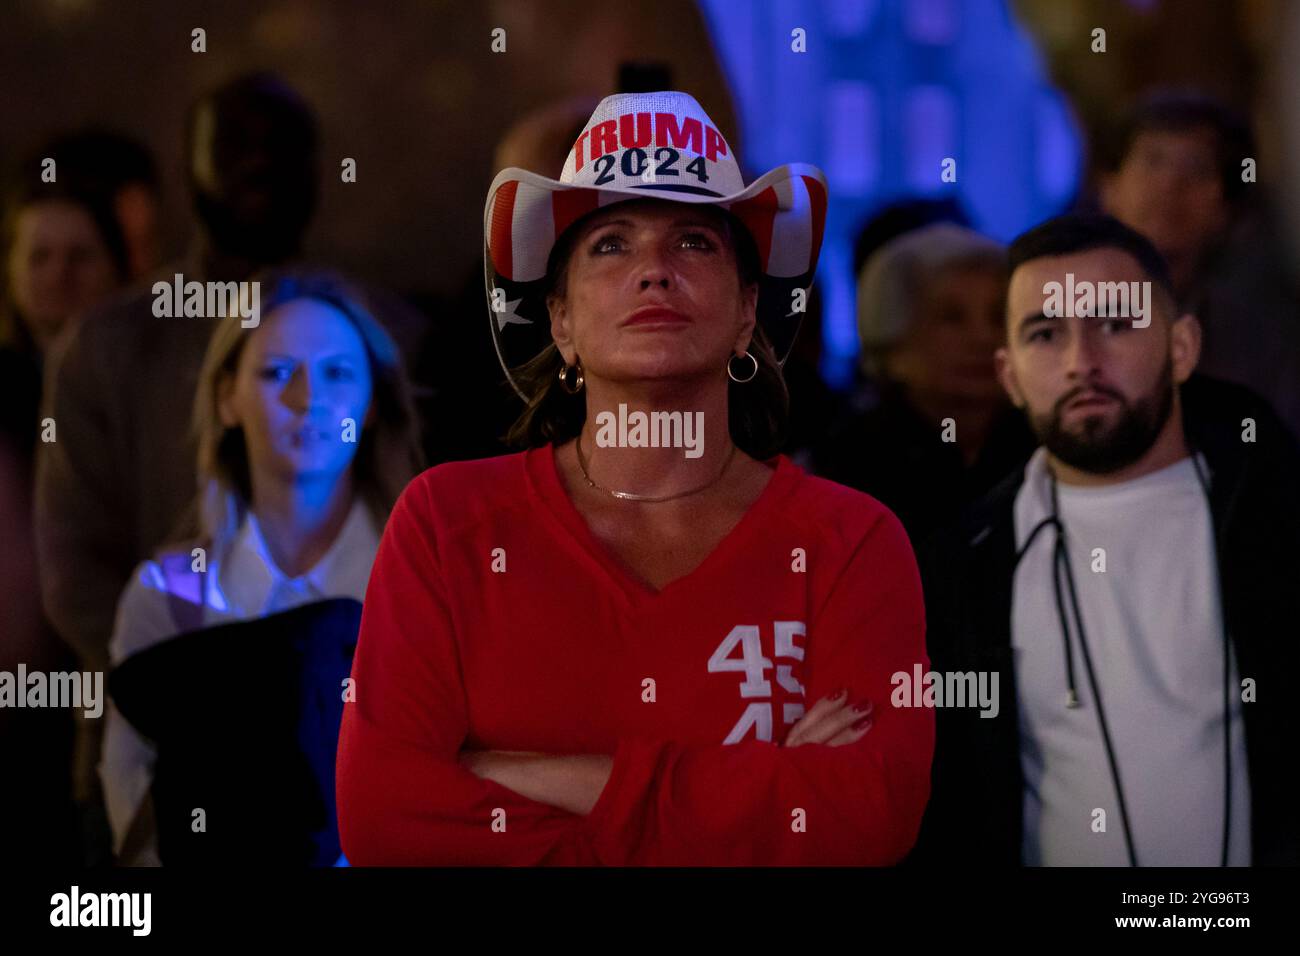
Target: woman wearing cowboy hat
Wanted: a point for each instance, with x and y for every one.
(622, 646)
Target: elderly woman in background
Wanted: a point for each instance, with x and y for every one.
(933, 429)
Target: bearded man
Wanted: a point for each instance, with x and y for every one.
(1134, 586)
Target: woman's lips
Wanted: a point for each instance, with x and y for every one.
(656, 315)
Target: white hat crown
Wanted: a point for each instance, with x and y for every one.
(657, 142)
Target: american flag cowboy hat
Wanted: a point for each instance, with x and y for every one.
(638, 146)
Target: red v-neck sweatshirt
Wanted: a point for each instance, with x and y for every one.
(494, 619)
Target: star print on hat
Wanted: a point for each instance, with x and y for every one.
(645, 146)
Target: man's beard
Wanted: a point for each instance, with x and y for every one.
(1098, 449)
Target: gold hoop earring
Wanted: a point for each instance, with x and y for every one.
(754, 371)
(576, 387)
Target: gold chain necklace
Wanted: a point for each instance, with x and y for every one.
(629, 496)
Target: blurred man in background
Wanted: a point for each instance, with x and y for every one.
(1178, 172)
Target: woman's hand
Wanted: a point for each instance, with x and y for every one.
(832, 722)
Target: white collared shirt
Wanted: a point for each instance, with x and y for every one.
(240, 584)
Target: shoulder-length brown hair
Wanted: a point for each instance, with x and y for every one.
(758, 411)
(388, 453)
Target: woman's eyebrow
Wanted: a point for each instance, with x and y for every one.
(608, 222)
(698, 223)
(344, 356)
(678, 223)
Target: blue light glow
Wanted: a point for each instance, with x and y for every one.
(886, 90)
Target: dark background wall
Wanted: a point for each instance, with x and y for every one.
(409, 88)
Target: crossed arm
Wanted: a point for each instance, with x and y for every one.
(653, 801)
(574, 782)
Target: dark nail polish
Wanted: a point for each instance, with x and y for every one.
(862, 724)
(863, 706)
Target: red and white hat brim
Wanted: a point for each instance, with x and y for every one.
(784, 211)
(525, 214)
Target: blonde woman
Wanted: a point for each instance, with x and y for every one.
(306, 437)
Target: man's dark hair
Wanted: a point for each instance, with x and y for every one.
(262, 92)
(1080, 232)
(1181, 111)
